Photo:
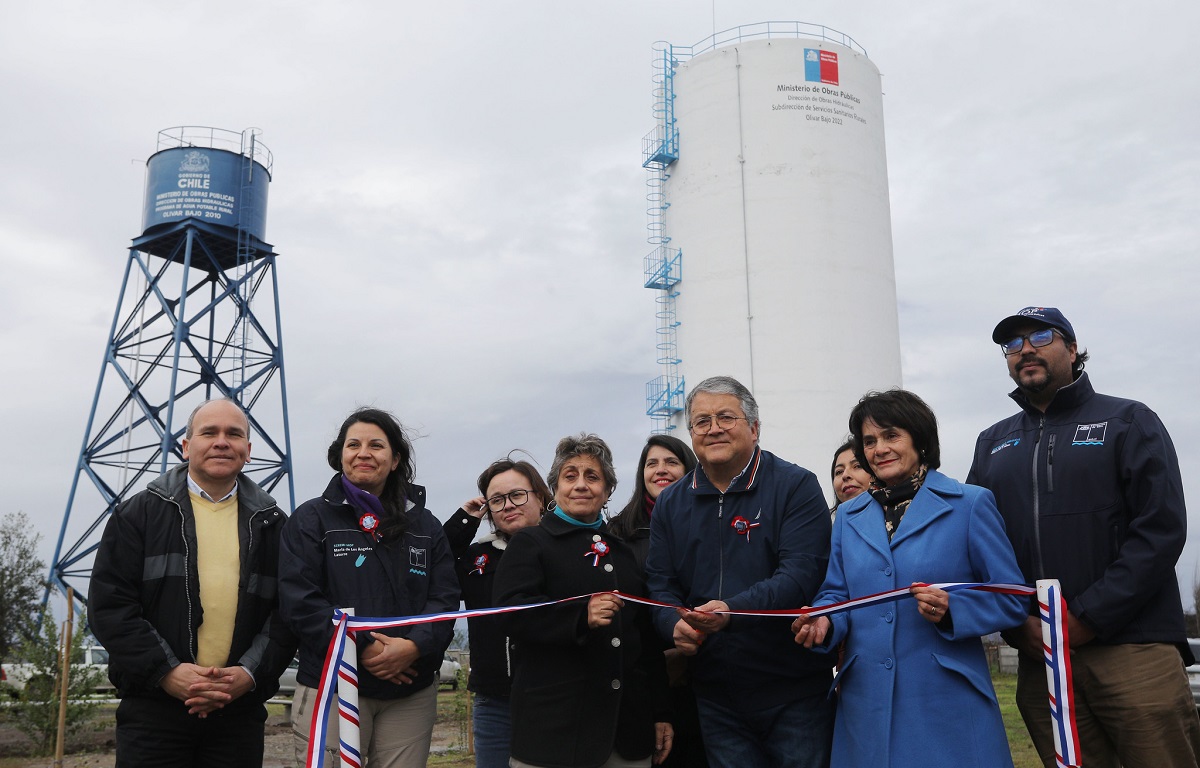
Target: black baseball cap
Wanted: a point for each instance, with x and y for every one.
(1045, 315)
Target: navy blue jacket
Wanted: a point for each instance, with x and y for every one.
(696, 555)
(328, 561)
(1091, 495)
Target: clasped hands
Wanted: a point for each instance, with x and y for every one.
(206, 689)
(391, 658)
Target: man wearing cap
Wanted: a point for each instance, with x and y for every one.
(1090, 491)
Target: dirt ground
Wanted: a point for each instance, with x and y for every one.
(94, 748)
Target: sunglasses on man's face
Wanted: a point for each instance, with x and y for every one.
(1036, 339)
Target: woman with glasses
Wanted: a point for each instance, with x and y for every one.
(514, 496)
(369, 545)
(919, 660)
(848, 476)
(589, 688)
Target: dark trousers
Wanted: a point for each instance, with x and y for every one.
(159, 732)
(1133, 707)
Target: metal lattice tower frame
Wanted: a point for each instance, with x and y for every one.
(197, 318)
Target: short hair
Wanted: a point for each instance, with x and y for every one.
(398, 482)
(583, 444)
(724, 385)
(634, 514)
(187, 433)
(1081, 357)
(898, 408)
(522, 467)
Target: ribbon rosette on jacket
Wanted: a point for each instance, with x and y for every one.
(743, 526)
(369, 523)
(480, 563)
(599, 549)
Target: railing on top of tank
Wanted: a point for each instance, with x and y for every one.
(767, 29)
(218, 138)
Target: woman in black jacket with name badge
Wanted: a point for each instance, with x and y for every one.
(369, 544)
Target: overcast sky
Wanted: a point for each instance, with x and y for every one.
(459, 207)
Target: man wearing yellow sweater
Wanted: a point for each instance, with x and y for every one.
(183, 596)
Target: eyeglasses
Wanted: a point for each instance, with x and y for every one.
(704, 424)
(1036, 339)
(499, 501)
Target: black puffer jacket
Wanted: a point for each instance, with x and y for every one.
(144, 602)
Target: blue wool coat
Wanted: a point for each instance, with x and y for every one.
(911, 693)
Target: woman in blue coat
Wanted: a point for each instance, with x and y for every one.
(915, 688)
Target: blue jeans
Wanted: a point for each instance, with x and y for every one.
(492, 726)
(798, 734)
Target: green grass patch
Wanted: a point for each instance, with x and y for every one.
(1023, 753)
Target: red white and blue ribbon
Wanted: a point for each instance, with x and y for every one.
(1055, 645)
(334, 660)
(1057, 659)
(480, 563)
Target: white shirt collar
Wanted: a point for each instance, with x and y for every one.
(195, 488)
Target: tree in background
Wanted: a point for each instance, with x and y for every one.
(35, 713)
(21, 583)
(1192, 618)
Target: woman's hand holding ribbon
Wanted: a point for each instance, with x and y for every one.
(932, 603)
(601, 609)
(811, 630)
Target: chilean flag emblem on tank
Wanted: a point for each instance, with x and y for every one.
(820, 66)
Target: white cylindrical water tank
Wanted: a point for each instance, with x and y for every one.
(779, 205)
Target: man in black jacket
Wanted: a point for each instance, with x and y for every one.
(1090, 491)
(183, 597)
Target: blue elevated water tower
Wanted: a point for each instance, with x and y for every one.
(197, 318)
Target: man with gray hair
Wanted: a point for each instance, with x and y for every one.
(745, 530)
(183, 597)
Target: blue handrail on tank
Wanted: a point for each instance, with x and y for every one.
(768, 29)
